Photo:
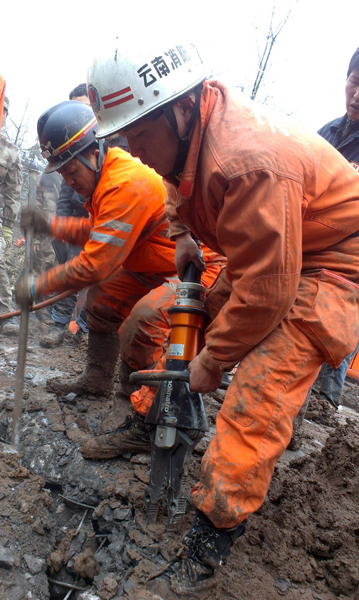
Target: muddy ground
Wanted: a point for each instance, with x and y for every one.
(75, 528)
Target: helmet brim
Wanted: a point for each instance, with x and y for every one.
(101, 135)
(52, 167)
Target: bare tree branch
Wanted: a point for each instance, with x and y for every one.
(21, 129)
(271, 38)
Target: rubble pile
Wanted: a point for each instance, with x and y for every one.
(75, 528)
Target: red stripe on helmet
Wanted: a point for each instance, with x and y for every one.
(119, 93)
(120, 101)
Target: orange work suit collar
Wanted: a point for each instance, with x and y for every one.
(208, 100)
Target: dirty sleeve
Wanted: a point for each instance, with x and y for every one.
(74, 230)
(260, 230)
(176, 227)
(120, 213)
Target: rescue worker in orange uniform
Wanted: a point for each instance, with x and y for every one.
(127, 257)
(282, 206)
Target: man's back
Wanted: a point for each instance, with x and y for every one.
(269, 180)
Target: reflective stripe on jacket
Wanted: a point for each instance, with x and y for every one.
(126, 211)
(127, 207)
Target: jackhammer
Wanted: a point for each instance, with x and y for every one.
(177, 415)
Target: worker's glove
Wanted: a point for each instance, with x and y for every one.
(35, 219)
(7, 233)
(25, 290)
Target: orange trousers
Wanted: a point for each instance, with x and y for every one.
(136, 305)
(255, 423)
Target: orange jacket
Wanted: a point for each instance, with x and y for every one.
(276, 201)
(2, 95)
(126, 211)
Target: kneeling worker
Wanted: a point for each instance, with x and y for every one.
(127, 252)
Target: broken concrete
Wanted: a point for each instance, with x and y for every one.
(74, 528)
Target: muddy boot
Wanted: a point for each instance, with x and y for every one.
(11, 327)
(102, 353)
(297, 435)
(116, 416)
(54, 337)
(125, 387)
(132, 437)
(80, 337)
(191, 574)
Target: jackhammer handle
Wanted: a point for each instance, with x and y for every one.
(192, 273)
(151, 377)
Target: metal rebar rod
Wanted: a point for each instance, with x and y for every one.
(71, 501)
(102, 543)
(82, 520)
(40, 305)
(66, 585)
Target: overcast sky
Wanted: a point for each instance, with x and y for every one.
(46, 47)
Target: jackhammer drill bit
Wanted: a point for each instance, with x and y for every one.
(177, 415)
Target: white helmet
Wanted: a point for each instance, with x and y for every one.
(132, 80)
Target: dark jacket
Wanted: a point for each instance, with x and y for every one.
(349, 147)
(70, 203)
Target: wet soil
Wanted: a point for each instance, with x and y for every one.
(82, 523)
(76, 528)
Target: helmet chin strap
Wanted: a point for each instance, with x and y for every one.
(101, 157)
(184, 142)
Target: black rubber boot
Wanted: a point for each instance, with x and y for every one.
(297, 435)
(125, 387)
(191, 574)
(102, 354)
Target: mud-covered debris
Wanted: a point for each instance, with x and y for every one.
(302, 544)
(307, 528)
(142, 473)
(141, 540)
(320, 410)
(107, 588)
(7, 559)
(34, 563)
(85, 564)
(60, 555)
